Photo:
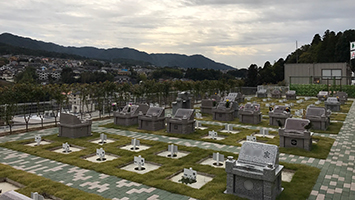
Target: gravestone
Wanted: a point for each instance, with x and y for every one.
(291, 95)
(256, 174)
(264, 132)
(261, 93)
(319, 117)
(218, 158)
(173, 149)
(182, 122)
(190, 174)
(208, 104)
(295, 134)
(280, 113)
(129, 114)
(225, 111)
(38, 139)
(66, 147)
(135, 144)
(250, 113)
(153, 120)
(139, 161)
(276, 93)
(36, 196)
(101, 154)
(333, 104)
(72, 126)
(103, 138)
(212, 134)
(183, 100)
(251, 138)
(342, 96)
(322, 95)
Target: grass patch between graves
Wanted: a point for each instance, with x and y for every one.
(158, 178)
(34, 183)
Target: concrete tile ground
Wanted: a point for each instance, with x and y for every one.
(336, 180)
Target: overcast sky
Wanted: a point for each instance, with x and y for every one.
(235, 32)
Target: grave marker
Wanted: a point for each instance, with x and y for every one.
(173, 150)
(36, 196)
(135, 143)
(212, 134)
(251, 138)
(101, 153)
(198, 115)
(218, 158)
(103, 138)
(38, 139)
(190, 174)
(66, 147)
(139, 161)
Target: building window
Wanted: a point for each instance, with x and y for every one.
(331, 73)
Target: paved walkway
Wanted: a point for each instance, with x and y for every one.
(336, 180)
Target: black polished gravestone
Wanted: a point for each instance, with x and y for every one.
(129, 114)
(256, 174)
(294, 134)
(319, 116)
(279, 113)
(153, 120)
(72, 126)
(182, 122)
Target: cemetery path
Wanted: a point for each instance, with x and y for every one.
(90, 181)
(337, 177)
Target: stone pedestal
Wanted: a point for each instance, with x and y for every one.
(72, 126)
(295, 135)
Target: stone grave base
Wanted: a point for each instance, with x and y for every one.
(216, 138)
(96, 159)
(33, 144)
(210, 162)
(147, 168)
(201, 180)
(72, 149)
(226, 131)
(138, 148)
(98, 141)
(180, 154)
(286, 175)
(267, 136)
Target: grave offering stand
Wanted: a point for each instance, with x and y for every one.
(72, 126)
(291, 95)
(182, 101)
(279, 113)
(183, 122)
(154, 120)
(250, 114)
(295, 134)
(256, 174)
(333, 104)
(319, 117)
(129, 115)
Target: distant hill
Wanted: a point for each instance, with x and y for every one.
(162, 60)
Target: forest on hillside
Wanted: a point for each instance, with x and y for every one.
(329, 48)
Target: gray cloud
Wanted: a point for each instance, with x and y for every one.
(237, 33)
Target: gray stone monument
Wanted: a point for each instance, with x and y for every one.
(72, 126)
(225, 111)
(182, 122)
(261, 93)
(153, 120)
(319, 116)
(256, 174)
(182, 101)
(129, 114)
(322, 95)
(333, 104)
(279, 113)
(291, 95)
(295, 134)
(250, 113)
(342, 96)
(276, 93)
(208, 104)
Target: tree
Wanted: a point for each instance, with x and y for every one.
(252, 75)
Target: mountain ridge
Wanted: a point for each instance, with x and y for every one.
(157, 59)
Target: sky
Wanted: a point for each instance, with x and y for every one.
(234, 32)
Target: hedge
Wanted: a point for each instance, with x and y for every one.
(313, 89)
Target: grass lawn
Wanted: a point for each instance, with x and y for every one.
(43, 186)
(157, 178)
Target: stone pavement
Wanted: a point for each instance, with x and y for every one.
(336, 180)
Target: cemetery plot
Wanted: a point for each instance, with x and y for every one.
(38, 141)
(135, 146)
(8, 185)
(140, 166)
(100, 156)
(173, 152)
(213, 135)
(192, 178)
(103, 140)
(66, 148)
